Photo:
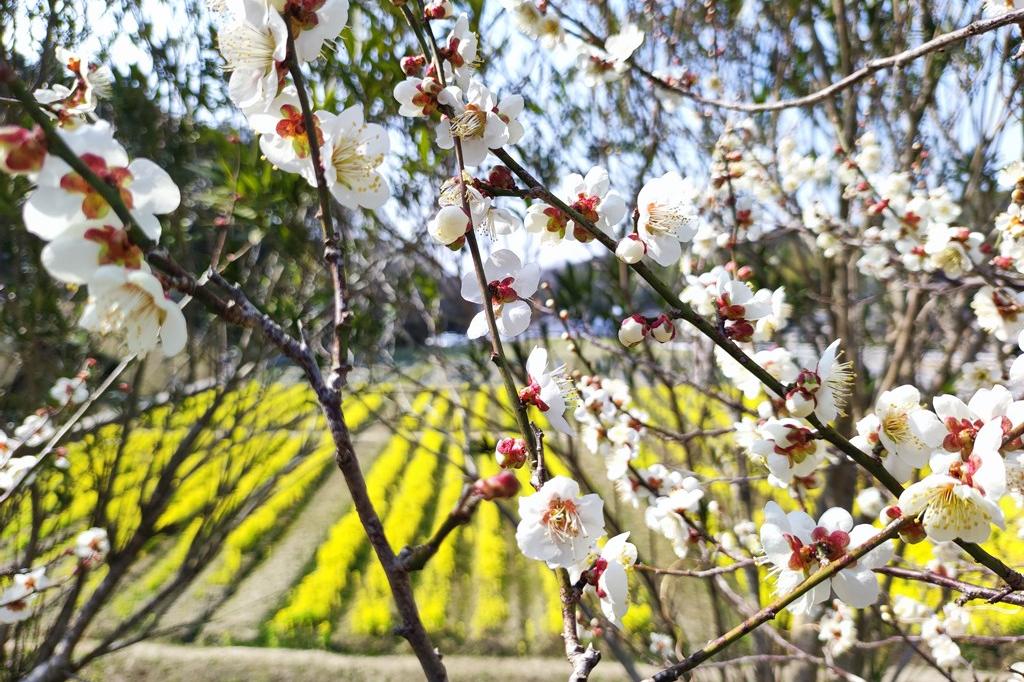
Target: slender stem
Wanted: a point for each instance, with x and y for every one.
(968, 590)
(769, 612)
(827, 93)
(333, 256)
(426, 38)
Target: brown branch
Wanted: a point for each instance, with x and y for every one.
(582, 660)
(704, 573)
(333, 257)
(414, 558)
(968, 590)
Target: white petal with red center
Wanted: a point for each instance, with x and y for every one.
(331, 19)
(615, 587)
(71, 258)
(835, 519)
(537, 362)
(988, 404)
(949, 406)
(477, 326)
(152, 189)
(856, 587)
(51, 211)
(665, 250)
(514, 318)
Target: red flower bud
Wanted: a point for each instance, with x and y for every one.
(501, 485)
(510, 453)
(413, 65)
(501, 177)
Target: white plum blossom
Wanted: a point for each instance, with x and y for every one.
(838, 630)
(76, 254)
(665, 514)
(16, 600)
(351, 153)
(474, 122)
(978, 374)
(868, 440)
(631, 249)
(906, 429)
(824, 389)
(93, 82)
(417, 96)
(739, 306)
(662, 645)
(63, 199)
(765, 328)
(963, 421)
(283, 137)
(796, 547)
(959, 499)
(666, 206)
(608, 64)
(590, 196)
(954, 250)
(312, 23)
(131, 305)
(789, 449)
(509, 286)
(550, 391)
(870, 501)
(778, 362)
(14, 471)
(34, 429)
(535, 22)
(66, 390)
(607, 576)
(559, 526)
(1000, 312)
(255, 48)
(633, 330)
(459, 53)
(92, 546)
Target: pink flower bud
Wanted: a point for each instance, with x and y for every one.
(502, 485)
(913, 534)
(413, 65)
(21, 150)
(633, 330)
(739, 330)
(501, 177)
(439, 9)
(662, 329)
(799, 403)
(510, 453)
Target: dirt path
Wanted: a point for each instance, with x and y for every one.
(152, 662)
(239, 618)
(156, 662)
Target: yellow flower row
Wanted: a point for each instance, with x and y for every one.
(312, 604)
